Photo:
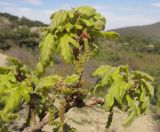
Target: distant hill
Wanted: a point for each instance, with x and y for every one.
(139, 46)
(16, 31)
(146, 32)
(10, 21)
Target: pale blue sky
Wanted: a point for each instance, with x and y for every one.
(118, 13)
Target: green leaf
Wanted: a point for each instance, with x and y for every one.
(60, 28)
(86, 11)
(130, 91)
(148, 87)
(139, 75)
(13, 61)
(65, 49)
(58, 18)
(99, 25)
(47, 82)
(72, 79)
(133, 111)
(101, 70)
(143, 94)
(16, 94)
(69, 26)
(110, 35)
(66, 91)
(98, 16)
(89, 23)
(116, 91)
(77, 26)
(39, 68)
(111, 75)
(46, 48)
(73, 42)
(108, 101)
(71, 13)
(144, 105)
(5, 70)
(130, 118)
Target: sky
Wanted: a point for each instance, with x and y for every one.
(119, 13)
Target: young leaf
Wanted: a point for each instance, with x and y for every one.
(148, 86)
(71, 79)
(58, 18)
(116, 91)
(133, 111)
(101, 71)
(86, 11)
(99, 25)
(98, 16)
(139, 74)
(11, 61)
(130, 118)
(47, 82)
(66, 91)
(16, 94)
(46, 48)
(69, 26)
(77, 26)
(108, 102)
(5, 70)
(89, 23)
(110, 35)
(71, 13)
(65, 49)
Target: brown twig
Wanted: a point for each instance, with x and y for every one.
(91, 102)
(39, 125)
(94, 101)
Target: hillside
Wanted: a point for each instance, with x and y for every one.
(10, 21)
(147, 32)
(18, 39)
(138, 46)
(15, 31)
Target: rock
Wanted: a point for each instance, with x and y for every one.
(88, 119)
(3, 59)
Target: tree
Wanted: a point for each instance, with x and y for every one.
(72, 34)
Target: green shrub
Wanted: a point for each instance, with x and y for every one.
(72, 34)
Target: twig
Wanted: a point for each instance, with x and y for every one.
(93, 101)
(39, 125)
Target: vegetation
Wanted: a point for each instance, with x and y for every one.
(17, 32)
(136, 45)
(18, 37)
(73, 34)
(16, 21)
(148, 32)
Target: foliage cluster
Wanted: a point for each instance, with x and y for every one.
(22, 37)
(72, 34)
